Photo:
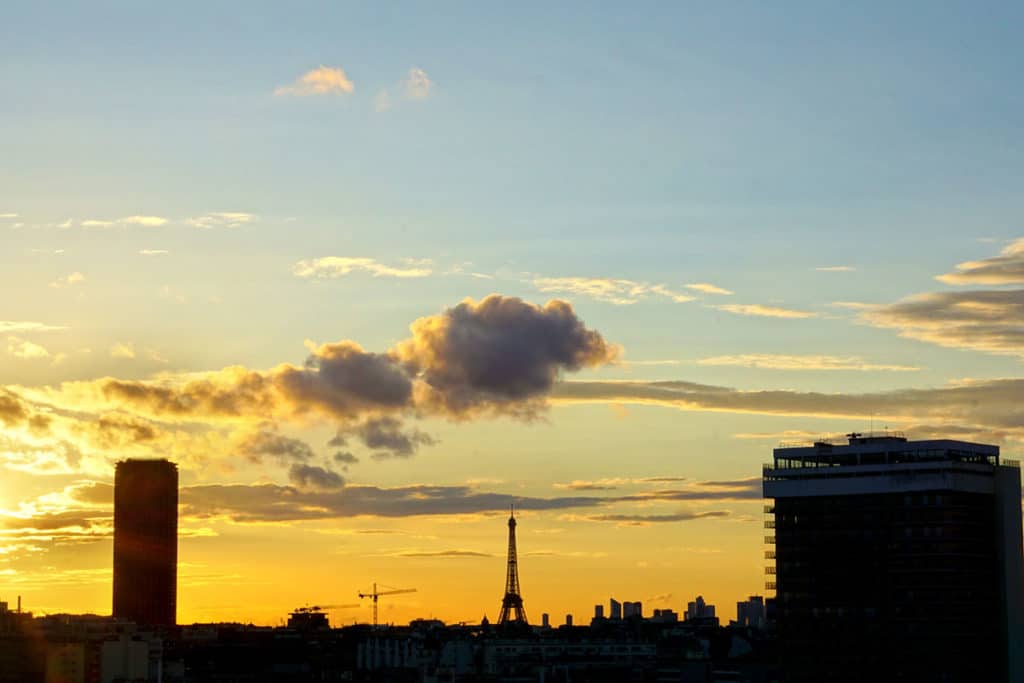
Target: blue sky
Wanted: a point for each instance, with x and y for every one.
(163, 182)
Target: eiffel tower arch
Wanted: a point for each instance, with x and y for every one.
(512, 611)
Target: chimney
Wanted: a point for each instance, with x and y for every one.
(19, 604)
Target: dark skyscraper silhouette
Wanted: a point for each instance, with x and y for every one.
(897, 560)
(146, 541)
(512, 611)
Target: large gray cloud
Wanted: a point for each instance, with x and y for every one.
(257, 445)
(117, 430)
(499, 355)
(338, 380)
(313, 477)
(502, 354)
(386, 435)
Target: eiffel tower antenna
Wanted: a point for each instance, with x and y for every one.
(512, 611)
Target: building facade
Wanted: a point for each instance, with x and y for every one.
(896, 560)
(146, 541)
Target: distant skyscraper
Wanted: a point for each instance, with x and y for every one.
(632, 609)
(897, 560)
(146, 541)
(512, 611)
(599, 611)
(698, 609)
(614, 609)
(751, 612)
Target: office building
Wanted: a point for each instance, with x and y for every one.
(698, 609)
(632, 609)
(146, 541)
(614, 609)
(751, 612)
(598, 611)
(896, 560)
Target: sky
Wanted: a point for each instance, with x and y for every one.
(370, 275)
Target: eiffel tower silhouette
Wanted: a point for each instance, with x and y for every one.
(512, 611)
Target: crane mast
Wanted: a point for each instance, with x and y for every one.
(375, 594)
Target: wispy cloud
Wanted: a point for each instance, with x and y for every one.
(339, 266)
(443, 554)
(221, 219)
(28, 326)
(122, 350)
(644, 520)
(140, 220)
(416, 85)
(8, 215)
(802, 362)
(382, 100)
(708, 288)
(666, 361)
(835, 269)
(614, 291)
(764, 311)
(854, 305)
(156, 356)
(614, 483)
(153, 252)
(784, 435)
(323, 80)
(68, 280)
(22, 348)
(146, 221)
(1005, 269)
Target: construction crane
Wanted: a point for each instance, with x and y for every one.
(376, 594)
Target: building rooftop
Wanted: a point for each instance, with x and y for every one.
(887, 448)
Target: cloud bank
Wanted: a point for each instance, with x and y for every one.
(1005, 269)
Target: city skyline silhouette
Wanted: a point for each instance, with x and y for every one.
(371, 277)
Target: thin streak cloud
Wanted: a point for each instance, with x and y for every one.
(221, 219)
(68, 280)
(340, 266)
(28, 326)
(708, 288)
(609, 290)
(758, 310)
(802, 362)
